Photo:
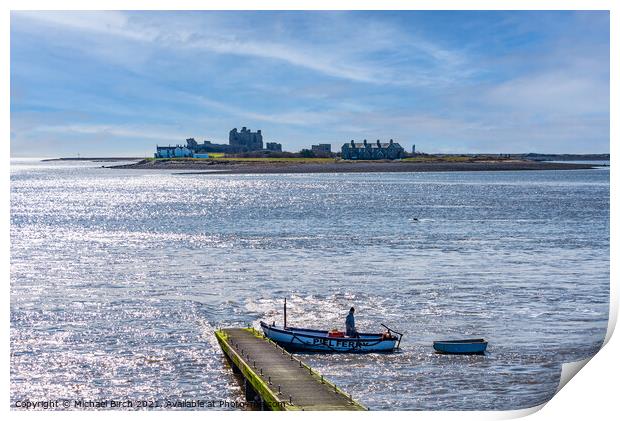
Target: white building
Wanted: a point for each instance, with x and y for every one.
(177, 151)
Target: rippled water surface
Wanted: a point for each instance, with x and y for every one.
(119, 278)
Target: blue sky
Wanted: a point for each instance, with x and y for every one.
(118, 83)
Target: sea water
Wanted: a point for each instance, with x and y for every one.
(120, 277)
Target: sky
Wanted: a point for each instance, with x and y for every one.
(118, 83)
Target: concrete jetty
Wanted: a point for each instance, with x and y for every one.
(274, 379)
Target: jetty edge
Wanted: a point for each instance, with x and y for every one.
(276, 379)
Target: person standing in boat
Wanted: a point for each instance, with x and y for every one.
(350, 324)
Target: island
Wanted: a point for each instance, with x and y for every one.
(234, 165)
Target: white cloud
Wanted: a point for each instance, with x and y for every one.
(108, 23)
(139, 132)
(294, 117)
(343, 55)
(552, 92)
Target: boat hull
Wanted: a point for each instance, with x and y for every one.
(463, 347)
(309, 340)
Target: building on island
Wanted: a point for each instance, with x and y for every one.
(372, 150)
(273, 146)
(246, 139)
(177, 151)
(239, 141)
(207, 146)
(322, 148)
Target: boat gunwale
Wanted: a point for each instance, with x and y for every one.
(462, 341)
(296, 331)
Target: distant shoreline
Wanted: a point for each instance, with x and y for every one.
(217, 167)
(102, 159)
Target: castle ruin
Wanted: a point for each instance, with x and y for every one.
(239, 141)
(246, 140)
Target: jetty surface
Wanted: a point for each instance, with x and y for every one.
(277, 380)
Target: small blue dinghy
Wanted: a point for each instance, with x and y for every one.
(463, 346)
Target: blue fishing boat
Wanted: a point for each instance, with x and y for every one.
(462, 346)
(312, 340)
(298, 339)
